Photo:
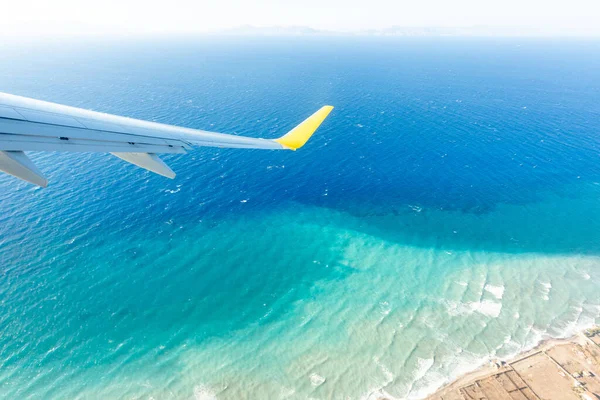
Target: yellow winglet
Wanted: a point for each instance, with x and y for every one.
(298, 136)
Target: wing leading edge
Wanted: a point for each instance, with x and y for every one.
(34, 125)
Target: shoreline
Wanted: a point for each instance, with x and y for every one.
(571, 363)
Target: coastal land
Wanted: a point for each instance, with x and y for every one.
(566, 369)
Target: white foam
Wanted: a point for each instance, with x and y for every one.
(286, 392)
(545, 289)
(426, 390)
(389, 376)
(585, 276)
(547, 285)
(423, 365)
(497, 291)
(431, 381)
(201, 392)
(490, 308)
(385, 308)
(592, 308)
(486, 307)
(378, 394)
(316, 379)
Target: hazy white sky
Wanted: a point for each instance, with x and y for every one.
(51, 17)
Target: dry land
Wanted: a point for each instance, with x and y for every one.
(555, 370)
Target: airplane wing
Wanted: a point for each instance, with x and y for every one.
(34, 125)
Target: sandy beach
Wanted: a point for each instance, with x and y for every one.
(565, 369)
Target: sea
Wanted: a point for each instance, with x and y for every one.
(446, 214)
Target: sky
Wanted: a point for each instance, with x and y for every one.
(118, 17)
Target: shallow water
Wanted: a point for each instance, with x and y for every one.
(447, 212)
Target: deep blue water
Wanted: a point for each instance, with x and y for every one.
(116, 282)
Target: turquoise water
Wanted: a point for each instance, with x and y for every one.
(446, 213)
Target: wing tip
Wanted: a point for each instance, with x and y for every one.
(298, 136)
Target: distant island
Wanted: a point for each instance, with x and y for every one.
(394, 31)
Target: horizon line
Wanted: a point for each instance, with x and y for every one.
(425, 31)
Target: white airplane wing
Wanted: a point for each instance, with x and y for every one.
(34, 125)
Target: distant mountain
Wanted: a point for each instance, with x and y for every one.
(401, 31)
(430, 31)
(454, 31)
(249, 30)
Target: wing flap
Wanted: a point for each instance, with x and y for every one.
(17, 164)
(32, 129)
(148, 161)
(43, 143)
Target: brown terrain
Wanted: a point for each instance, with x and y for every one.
(556, 370)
